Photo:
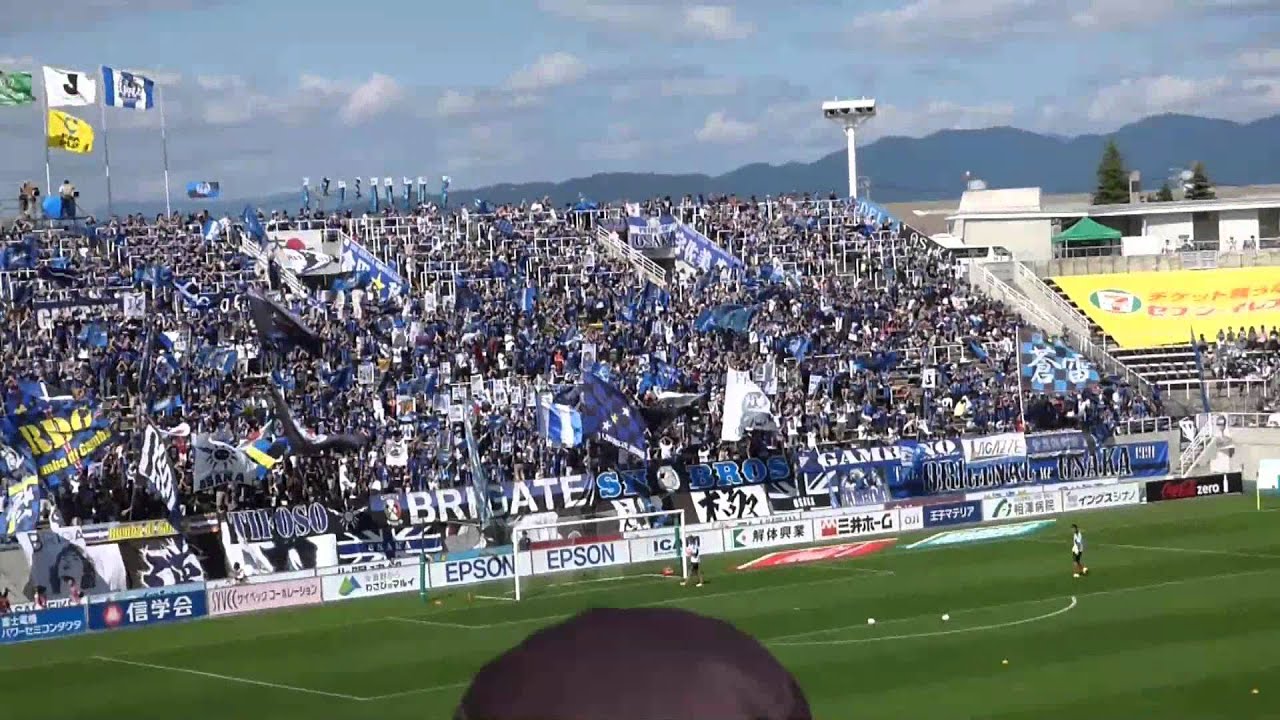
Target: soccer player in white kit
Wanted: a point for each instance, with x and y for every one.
(1077, 551)
(693, 549)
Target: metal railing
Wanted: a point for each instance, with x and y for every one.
(643, 265)
(1137, 426)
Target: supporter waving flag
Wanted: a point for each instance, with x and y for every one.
(280, 329)
(609, 415)
(156, 470)
(305, 444)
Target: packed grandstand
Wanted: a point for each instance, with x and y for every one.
(479, 346)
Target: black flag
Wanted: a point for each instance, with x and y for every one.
(280, 329)
(302, 443)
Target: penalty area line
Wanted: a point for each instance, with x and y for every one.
(229, 678)
(936, 633)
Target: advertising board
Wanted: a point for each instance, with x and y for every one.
(478, 569)
(910, 518)
(239, 599)
(768, 535)
(579, 557)
(857, 525)
(42, 624)
(1194, 487)
(371, 582)
(153, 609)
(1022, 505)
(957, 513)
(1103, 497)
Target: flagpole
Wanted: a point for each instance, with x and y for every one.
(1022, 403)
(164, 148)
(106, 152)
(48, 174)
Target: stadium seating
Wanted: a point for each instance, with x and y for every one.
(865, 331)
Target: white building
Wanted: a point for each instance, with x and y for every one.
(1018, 220)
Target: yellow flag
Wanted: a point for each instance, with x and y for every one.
(70, 133)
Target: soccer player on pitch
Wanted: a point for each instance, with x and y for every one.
(1077, 551)
(693, 548)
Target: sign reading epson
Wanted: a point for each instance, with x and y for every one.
(279, 523)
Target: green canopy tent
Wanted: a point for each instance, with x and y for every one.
(1086, 231)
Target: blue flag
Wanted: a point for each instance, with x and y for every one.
(606, 413)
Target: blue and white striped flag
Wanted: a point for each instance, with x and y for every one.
(127, 90)
(561, 424)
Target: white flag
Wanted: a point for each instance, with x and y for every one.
(127, 90)
(69, 88)
(746, 408)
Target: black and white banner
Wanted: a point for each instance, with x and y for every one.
(280, 539)
(160, 562)
(59, 556)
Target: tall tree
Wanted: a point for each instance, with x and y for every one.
(1199, 187)
(1165, 193)
(1113, 178)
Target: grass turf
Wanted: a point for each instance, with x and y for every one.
(1179, 618)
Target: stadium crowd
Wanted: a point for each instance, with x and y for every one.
(862, 334)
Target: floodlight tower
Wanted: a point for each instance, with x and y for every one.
(850, 114)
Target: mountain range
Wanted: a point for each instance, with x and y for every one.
(933, 167)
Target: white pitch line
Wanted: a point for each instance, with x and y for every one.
(229, 678)
(434, 623)
(1184, 550)
(418, 691)
(1096, 593)
(937, 633)
(495, 597)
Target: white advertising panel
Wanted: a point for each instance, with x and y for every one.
(370, 583)
(858, 525)
(911, 518)
(479, 569)
(768, 535)
(579, 557)
(1023, 505)
(1104, 497)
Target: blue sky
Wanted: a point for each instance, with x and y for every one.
(260, 94)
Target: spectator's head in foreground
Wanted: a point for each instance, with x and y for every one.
(637, 664)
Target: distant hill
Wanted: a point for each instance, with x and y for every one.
(933, 167)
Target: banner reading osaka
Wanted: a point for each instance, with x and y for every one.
(953, 466)
(63, 438)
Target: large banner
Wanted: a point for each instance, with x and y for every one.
(175, 604)
(306, 252)
(1194, 487)
(64, 438)
(61, 557)
(280, 539)
(652, 232)
(1146, 309)
(42, 624)
(951, 466)
(160, 562)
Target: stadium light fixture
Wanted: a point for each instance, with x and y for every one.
(850, 114)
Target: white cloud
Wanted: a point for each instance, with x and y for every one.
(654, 19)
(967, 20)
(371, 98)
(700, 87)
(220, 82)
(722, 129)
(453, 103)
(1264, 61)
(547, 72)
(20, 63)
(1135, 98)
(621, 142)
(716, 22)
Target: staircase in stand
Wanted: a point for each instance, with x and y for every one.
(643, 266)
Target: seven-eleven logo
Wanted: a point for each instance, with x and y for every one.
(1118, 302)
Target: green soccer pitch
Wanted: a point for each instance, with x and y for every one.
(1179, 618)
